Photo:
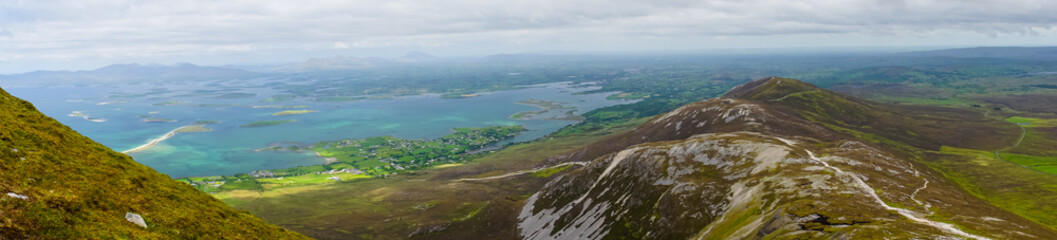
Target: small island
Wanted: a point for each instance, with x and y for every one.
(293, 112)
(235, 95)
(280, 106)
(628, 96)
(545, 107)
(168, 103)
(112, 102)
(458, 95)
(86, 117)
(267, 123)
(157, 120)
(339, 99)
(78, 114)
(204, 122)
(193, 128)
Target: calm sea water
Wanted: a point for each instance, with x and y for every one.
(228, 148)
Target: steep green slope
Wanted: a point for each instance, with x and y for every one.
(58, 184)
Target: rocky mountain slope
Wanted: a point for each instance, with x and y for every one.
(776, 159)
(58, 184)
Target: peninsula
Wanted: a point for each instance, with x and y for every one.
(170, 134)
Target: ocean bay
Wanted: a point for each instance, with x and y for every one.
(228, 148)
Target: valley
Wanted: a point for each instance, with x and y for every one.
(528, 120)
(452, 222)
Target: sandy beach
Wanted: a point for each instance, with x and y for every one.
(168, 135)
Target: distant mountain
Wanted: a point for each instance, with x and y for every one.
(340, 63)
(58, 184)
(127, 72)
(417, 56)
(1021, 53)
(327, 64)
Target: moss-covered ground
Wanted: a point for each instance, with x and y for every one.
(75, 188)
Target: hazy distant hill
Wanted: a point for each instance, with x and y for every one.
(1021, 53)
(341, 63)
(326, 64)
(417, 56)
(127, 72)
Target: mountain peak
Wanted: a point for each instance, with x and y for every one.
(769, 88)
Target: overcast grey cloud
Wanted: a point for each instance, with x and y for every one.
(87, 33)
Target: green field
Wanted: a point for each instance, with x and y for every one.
(381, 155)
(308, 179)
(1041, 163)
(550, 171)
(1032, 122)
(980, 173)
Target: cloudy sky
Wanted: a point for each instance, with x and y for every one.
(85, 34)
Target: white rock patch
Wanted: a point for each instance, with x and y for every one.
(16, 195)
(135, 219)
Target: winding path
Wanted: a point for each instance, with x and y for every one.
(946, 227)
(1023, 133)
(520, 172)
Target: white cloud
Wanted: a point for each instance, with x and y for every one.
(154, 29)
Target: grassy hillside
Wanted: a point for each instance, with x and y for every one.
(58, 184)
(984, 155)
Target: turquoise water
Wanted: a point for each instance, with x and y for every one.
(228, 148)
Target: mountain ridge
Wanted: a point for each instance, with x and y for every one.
(707, 159)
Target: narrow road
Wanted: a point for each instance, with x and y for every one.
(520, 172)
(946, 227)
(1023, 132)
(791, 94)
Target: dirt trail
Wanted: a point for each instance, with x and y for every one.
(1023, 133)
(946, 227)
(520, 172)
